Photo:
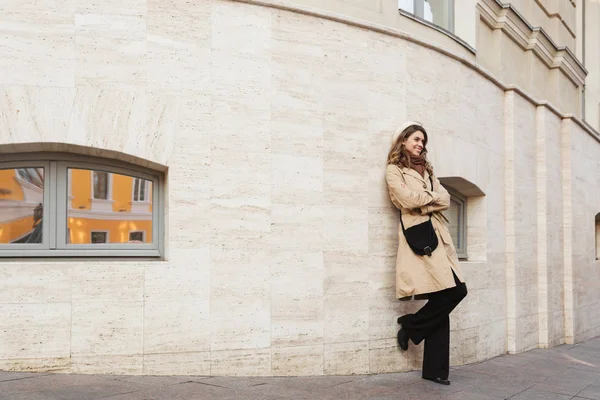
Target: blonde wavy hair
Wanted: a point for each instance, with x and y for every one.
(398, 154)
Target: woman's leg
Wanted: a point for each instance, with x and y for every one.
(434, 313)
(436, 357)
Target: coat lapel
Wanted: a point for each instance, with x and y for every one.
(412, 172)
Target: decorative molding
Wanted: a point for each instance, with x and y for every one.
(557, 15)
(497, 15)
(110, 216)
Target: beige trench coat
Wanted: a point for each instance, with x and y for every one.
(412, 194)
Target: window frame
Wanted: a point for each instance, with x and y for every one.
(56, 201)
(597, 236)
(462, 251)
(418, 12)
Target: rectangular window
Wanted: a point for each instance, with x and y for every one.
(140, 189)
(136, 237)
(64, 205)
(436, 12)
(100, 185)
(99, 237)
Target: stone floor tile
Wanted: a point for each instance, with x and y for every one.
(591, 392)
(548, 387)
(532, 394)
(159, 380)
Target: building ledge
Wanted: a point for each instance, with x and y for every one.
(498, 15)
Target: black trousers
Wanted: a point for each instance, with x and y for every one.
(432, 324)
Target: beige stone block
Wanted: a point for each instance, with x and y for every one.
(297, 361)
(241, 78)
(345, 287)
(346, 229)
(96, 112)
(297, 298)
(53, 365)
(527, 334)
(241, 29)
(162, 120)
(35, 114)
(384, 307)
(107, 329)
(35, 330)
(240, 177)
(189, 279)
(296, 179)
(249, 130)
(110, 50)
(192, 140)
(94, 282)
(187, 363)
(248, 362)
(297, 65)
(35, 283)
(346, 358)
(176, 326)
(383, 231)
(346, 138)
(36, 42)
(112, 7)
(297, 227)
(240, 298)
(179, 48)
(344, 181)
(189, 225)
(107, 364)
(385, 357)
(464, 344)
(296, 132)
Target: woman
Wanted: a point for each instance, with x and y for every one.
(420, 197)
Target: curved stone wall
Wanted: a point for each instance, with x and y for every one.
(273, 127)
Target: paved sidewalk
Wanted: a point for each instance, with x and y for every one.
(565, 372)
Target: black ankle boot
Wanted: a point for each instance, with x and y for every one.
(403, 339)
(441, 381)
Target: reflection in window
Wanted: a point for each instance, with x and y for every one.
(136, 237)
(100, 185)
(438, 12)
(99, 237)
(140, 188)
(126, 216)
(21, 205)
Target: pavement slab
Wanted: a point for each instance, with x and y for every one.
(568, 372)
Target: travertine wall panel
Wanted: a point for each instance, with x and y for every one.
(585, 157)
(521, 223)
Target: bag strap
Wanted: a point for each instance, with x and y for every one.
(401, 222)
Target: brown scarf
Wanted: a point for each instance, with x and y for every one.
(418, 164)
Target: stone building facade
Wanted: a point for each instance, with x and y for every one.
(198, 187)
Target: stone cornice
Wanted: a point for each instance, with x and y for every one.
(558, 16)
(505, 17)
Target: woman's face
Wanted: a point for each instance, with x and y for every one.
(414, 143)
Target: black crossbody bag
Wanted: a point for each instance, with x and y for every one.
(421, 238)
